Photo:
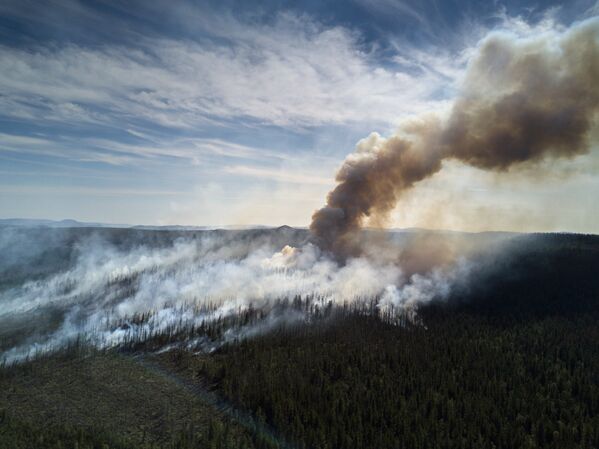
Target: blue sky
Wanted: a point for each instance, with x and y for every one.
(213, 113)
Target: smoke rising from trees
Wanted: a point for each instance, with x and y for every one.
(523, 99)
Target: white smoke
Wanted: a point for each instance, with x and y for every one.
(193, 281)
(421, 289)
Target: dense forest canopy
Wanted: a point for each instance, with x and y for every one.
(510, 360)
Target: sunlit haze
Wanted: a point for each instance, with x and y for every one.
(241, 113)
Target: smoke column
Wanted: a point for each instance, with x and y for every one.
(522, 100)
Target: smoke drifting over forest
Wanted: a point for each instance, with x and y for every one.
(522, 100)
(112, 286)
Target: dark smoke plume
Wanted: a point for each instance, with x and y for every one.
(523, 100)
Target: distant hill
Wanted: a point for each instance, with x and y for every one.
(67, 223)
(199, 228)
(70, 223)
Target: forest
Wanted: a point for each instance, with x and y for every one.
(511, 361)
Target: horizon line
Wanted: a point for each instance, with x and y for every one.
(70, 223)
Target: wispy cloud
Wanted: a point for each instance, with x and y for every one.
(251, 110)
(395, 8)
(194, 149)
(293, 72)
(144, 150)
(88, 191)
(280, 175)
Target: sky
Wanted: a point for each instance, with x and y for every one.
(239, 113)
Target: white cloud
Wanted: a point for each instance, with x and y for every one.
(293, 72)
(284, 176)
(592, 11)
(147, 149)
(86, 191)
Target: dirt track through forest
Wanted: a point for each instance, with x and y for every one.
(216, 402)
